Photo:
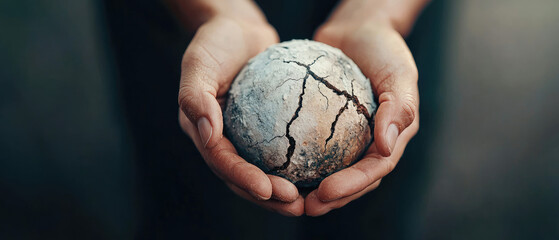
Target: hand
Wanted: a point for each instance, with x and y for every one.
(218, 51)
(383, 56)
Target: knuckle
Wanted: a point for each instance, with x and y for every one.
(187, 99)
(200, 59)
(392, 77)
(385, 79)
(410, 108)
(219, 155)
(364, 172)
(386, 97)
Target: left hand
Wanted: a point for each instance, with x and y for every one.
(383, 56)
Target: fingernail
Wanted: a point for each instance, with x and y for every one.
(391, 136)
(258, 196)
(205, 130)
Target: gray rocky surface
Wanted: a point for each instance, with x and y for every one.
(301, 110)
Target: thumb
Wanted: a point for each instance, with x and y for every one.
(201, 77)
(396, 112)
(198, 102)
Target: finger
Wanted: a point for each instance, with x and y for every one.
(227, 164)
(282, 189)
(397, 110)
(224, 161)
(209, 65)
(315, 207)
(232, 168)
(368, 170)
(292, 209)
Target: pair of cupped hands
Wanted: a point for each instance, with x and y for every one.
(223, 44)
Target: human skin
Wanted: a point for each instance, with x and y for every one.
(229, 33)
(371, 33)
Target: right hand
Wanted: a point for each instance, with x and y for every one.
(218, 51)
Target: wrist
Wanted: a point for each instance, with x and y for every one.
(194, 13)
(335, 30)
(351, 14)
(399, 15)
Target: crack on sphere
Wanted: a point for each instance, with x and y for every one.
(295, 130)
(361, 109)
(291, 148)
(333, 127)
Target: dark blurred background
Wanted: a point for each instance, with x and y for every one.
(90, 147)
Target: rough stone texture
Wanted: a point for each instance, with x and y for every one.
(301, 110)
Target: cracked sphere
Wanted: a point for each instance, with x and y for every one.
(301, 110)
